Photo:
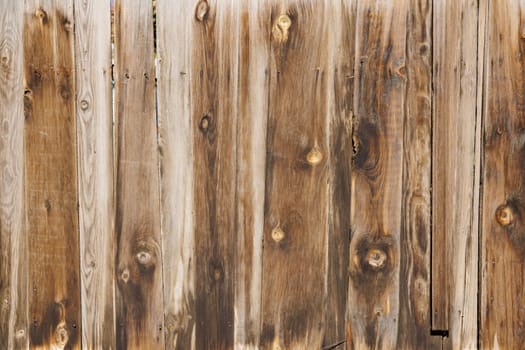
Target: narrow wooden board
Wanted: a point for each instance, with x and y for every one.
(95, 172)
(339, 110)
(214, 101)
(13, 239)
(380, 104)
(296, 244)
(139, 297)
(414, 274)
(456, 164)
(176, 133)
(51, 175)
(503, 209)
(253, 89)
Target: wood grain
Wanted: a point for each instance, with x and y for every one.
(95, 172)
(503, 238)
(214, 106)
(296, 224)
(456, 163)
(377, 174)
(253, 89)
(414, 274)
(176, 135)
(139, 297)
(13, 237)
(51, 175)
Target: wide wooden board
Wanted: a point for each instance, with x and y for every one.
(51, 175)
(139, 295)
(502, 308)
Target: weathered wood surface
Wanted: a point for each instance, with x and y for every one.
(139, 295)
(51, 175)
(13, 237)
(95, 172)
(456, 167)
(390, 198)
(503, 237)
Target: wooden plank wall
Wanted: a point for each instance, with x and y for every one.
(262, 174)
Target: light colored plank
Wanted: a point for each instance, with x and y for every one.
(176, 157)
(414, 274)
(456, 162)
(51, 175)
(503, 206)
(377, 173)
(295, 261)
(95, 172)
(13, 239)
(139, 297)
(254, 50)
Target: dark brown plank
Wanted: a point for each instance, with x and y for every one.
(51, 175)
(139, 297)
(377, 174)
(503, 205)
(13, 238)
(296, 243)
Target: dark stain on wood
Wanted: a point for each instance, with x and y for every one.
(54, 327)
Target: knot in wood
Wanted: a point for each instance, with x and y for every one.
(376, 258)
(143, 258)
(125, 275)
(280, 29)
(84, 105)
(21, 333)
(504, 215)
(205, 123)
(277, 234)
(201, 11)
(61, 334)
(42, 15)
(315, 156)
(217, 274)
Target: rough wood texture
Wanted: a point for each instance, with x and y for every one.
(414, 275)
(295, 260)
(176, 156)
(13, 239)
(95, 172)
(139, 297)
(456, 164)
(51, 175)
(377, 174)
(254, 51)
(503, 210)
(214, 85)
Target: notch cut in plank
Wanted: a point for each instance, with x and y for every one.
(503, 206)
(456, 166)
(13, 236)
(51, 175)
(95, 172)
(139, 295)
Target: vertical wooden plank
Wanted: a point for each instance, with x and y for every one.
(455, 169)
(503, 240)
(176, 135)
(377, 173)
(339, 110)
(140, 306)
(254, 50)
(13, 239)
(214, 103)
(51, 175)
(414, 259)
(296, 243)
(95, 172)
